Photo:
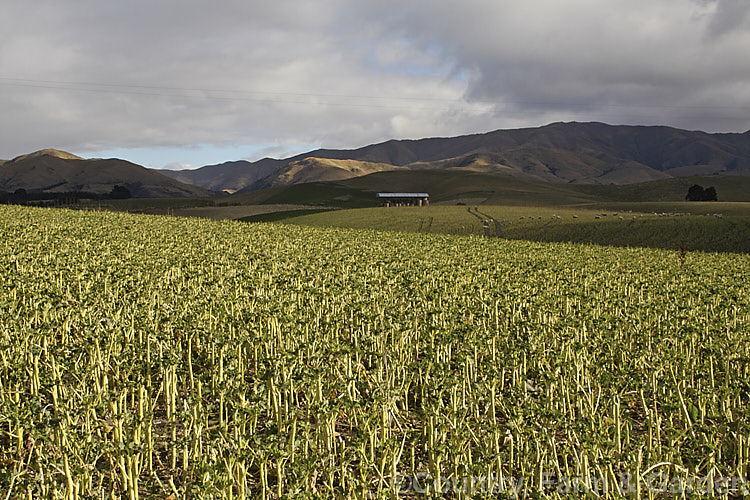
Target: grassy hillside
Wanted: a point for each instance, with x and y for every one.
(328, 194)
(450, 187)
(309, 204)
(496, 189)
(443, 186)
(728, 233)
(476, 187)
(728, 188)
(281, 215)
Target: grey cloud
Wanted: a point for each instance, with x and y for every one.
(641, 60)
(342, 74)
(730, 16)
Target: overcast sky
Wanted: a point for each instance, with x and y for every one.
(181, 83)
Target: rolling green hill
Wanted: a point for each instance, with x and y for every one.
(728, 187)
(697, 231)
(490, 189)
(520, 208)
(652, 214)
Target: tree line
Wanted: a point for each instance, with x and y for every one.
(31, 197)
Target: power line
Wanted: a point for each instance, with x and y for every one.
(22, 82)
(285, 97)
(240, 95)
(327, 99)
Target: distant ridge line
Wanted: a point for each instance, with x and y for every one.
(561, 152)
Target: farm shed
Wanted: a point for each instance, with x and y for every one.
(403, 199)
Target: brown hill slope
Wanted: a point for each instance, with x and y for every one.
(230, 176)
(63, 172)
(580, 153)
(320, 170)
(63, 155)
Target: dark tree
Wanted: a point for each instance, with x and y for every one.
(120, 193)
(695, 193)
(19, 196)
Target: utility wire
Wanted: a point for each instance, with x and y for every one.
(284, 97)
(240, 95)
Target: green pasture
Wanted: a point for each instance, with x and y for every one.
(652, 225)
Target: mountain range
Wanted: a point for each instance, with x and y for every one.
(578, 153)
(572, 153)
(54, 171)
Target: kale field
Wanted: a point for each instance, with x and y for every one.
(160, 357)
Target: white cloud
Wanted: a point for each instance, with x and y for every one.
(343, 74)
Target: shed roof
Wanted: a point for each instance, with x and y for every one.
(403, 195)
